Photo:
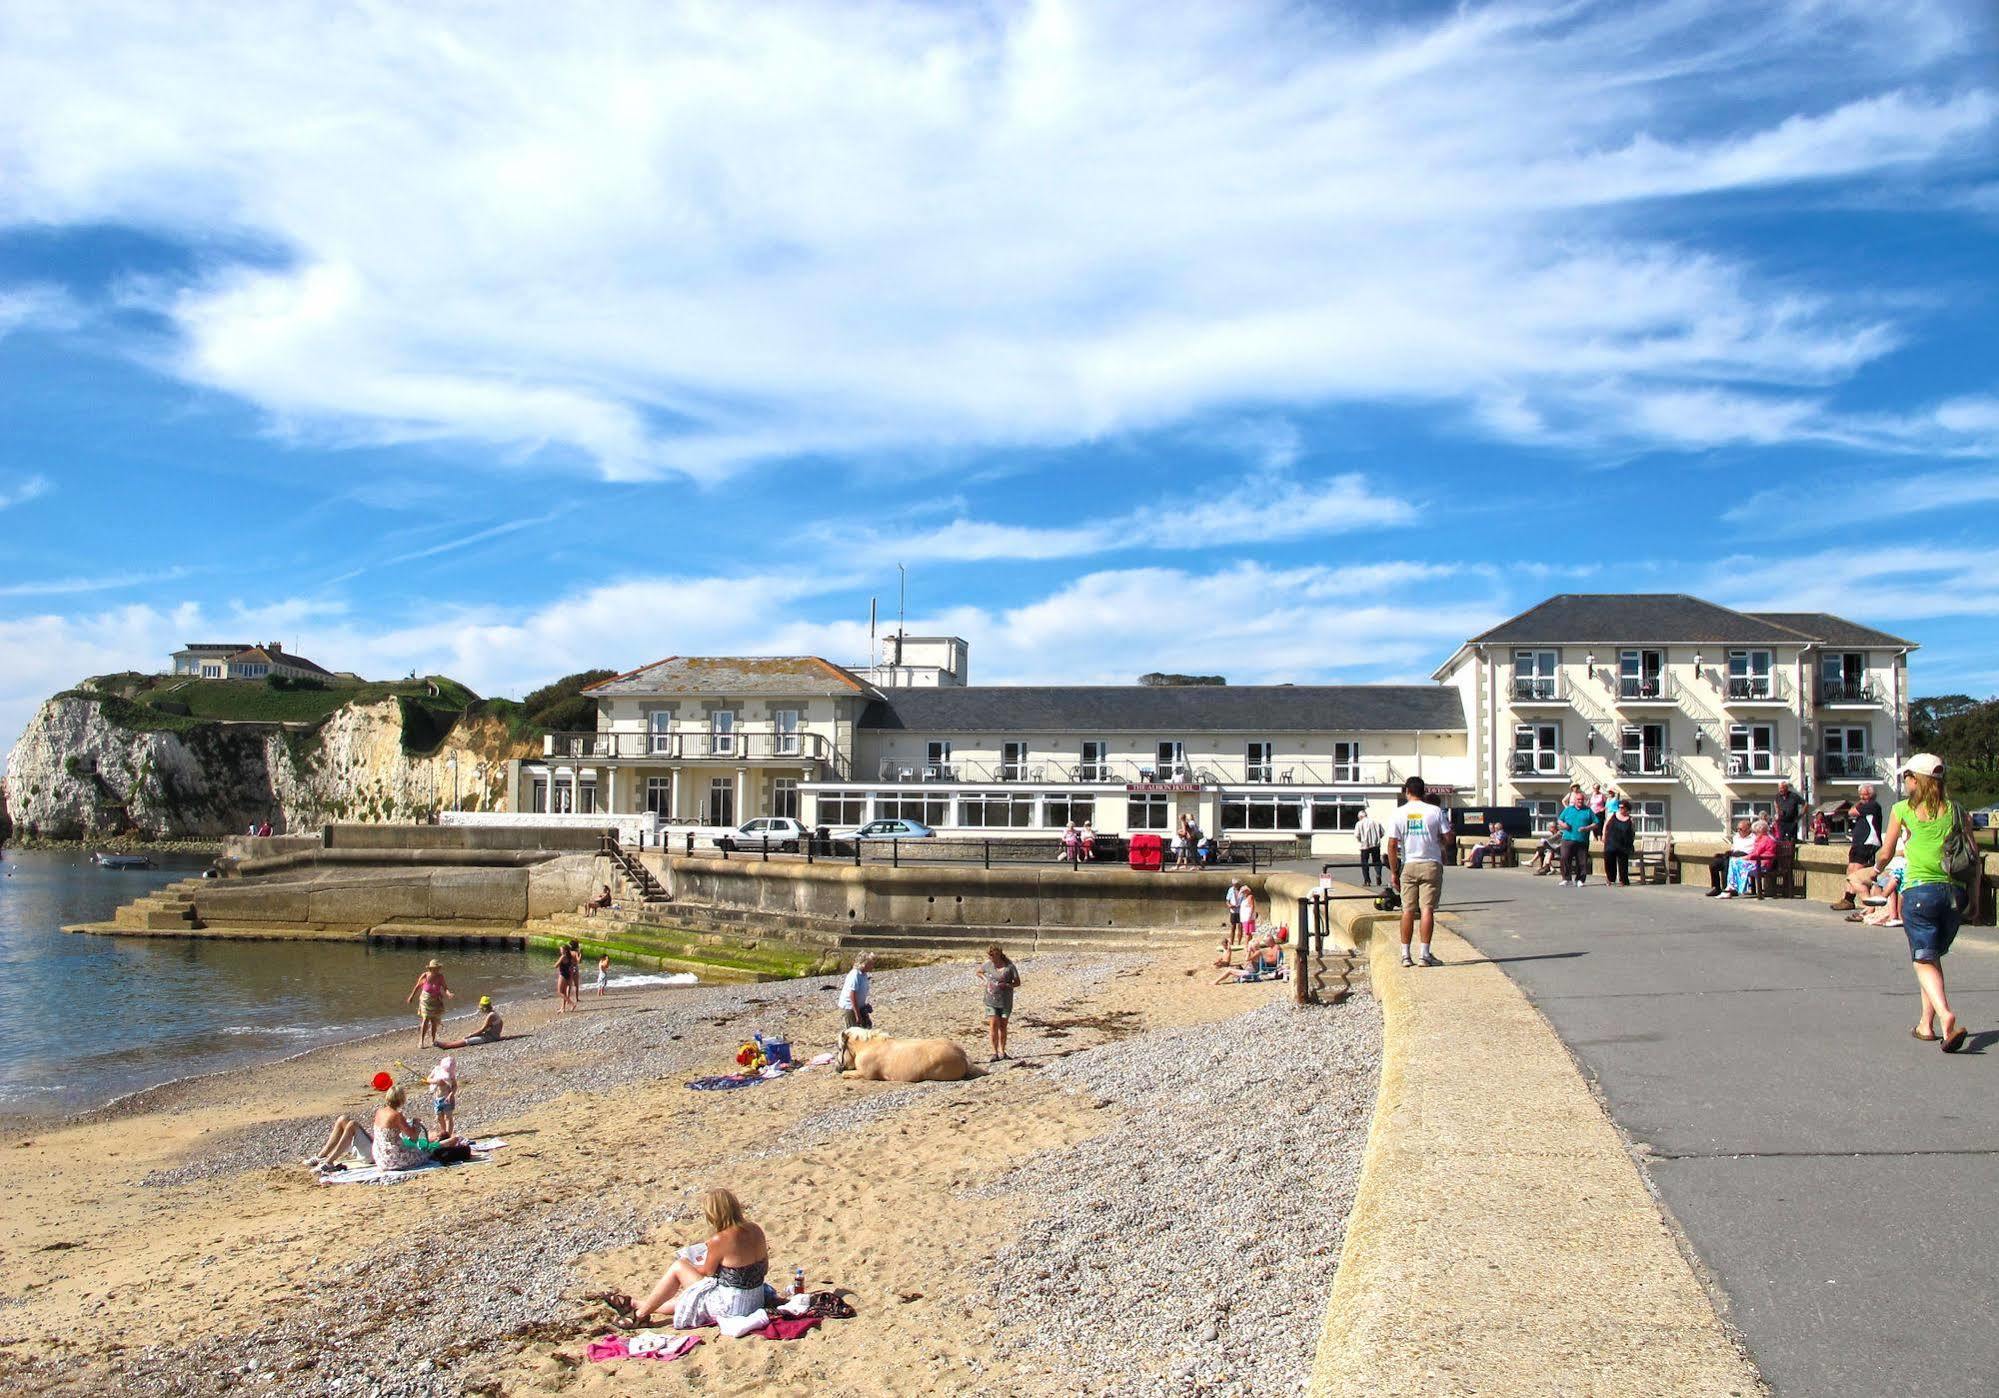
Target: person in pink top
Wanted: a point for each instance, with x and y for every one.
(1762, 854)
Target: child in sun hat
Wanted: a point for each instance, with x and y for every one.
(443, 1082)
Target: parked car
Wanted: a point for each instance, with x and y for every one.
(779, 832)
(890, 829)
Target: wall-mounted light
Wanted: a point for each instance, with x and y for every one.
(1589, 742)
(1589, 660)
(1699, 733)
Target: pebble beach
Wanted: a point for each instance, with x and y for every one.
(1149, 1198)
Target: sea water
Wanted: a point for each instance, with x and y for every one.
(84, 1019)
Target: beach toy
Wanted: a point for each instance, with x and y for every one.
(774, 1050)
(382, 1082)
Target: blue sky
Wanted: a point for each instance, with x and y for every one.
(1284, 341)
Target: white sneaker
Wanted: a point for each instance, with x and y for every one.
(1566, 883)
(1405, 959)
(1429, 960)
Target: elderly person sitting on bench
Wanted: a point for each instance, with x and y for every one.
(1498, 844)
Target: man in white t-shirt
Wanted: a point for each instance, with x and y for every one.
(1416, 835)
(855, 1010)
(1233, 898)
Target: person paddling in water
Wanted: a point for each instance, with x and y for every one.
(430, 993)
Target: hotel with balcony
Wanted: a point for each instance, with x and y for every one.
(1694, 711)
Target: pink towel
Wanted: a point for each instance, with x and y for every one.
(784, 1327)
(618, 1347)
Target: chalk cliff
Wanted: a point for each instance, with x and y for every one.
(84, 767)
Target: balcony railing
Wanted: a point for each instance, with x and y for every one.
(1637, 766)
(1849, 767)
(1542, 764)
(1538, 689)
(1845, 692)
(1756, 767)
(1772, 688)
(1647, 689)
(741, 745)
(1124, 772)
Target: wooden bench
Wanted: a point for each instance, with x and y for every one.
(1780, 880)
(1654, 855)
(1508, 858)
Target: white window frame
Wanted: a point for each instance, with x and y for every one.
(722, 791)
(785, 730)
(1339, 812)
(1536, 672)
(1171, 754)
(1645, 817)
(659, 732)
(1756, 761)
(1346, 760)
(659, 795)
(1751, 808)
(1547, 756)
(722, 733)
(1257, 765)
(1631, 674)
(1093, 763)
(1758, 681)
(784, 800)
(1148, 811)
(1627, 751)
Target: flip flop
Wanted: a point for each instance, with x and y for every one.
(1926, 1038)
(1855, 917)
(1956, 1041)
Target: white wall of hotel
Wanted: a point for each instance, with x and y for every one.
(634, 827)
(1696, 736)
(994, 786)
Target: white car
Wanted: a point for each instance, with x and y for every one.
(778, 832)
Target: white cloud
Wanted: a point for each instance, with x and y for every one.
(1263, 508)
(29, 488)
(686, 236)
(1250, 622)
(1910, 582)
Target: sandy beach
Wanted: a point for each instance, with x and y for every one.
(1150, 1199)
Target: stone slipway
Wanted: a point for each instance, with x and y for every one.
(1503, 1240)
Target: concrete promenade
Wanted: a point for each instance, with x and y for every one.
(1835, 1177)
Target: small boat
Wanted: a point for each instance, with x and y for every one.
(123, 861)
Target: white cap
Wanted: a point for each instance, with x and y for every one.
(1924, 764)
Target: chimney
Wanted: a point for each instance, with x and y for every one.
(273, 647)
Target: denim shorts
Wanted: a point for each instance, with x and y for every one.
(1930, 918)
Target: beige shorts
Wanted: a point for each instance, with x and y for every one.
(1422, 885)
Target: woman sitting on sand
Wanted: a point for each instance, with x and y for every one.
(1265, 962)
(715, 1280)
(393, 1145)
(488, 1031)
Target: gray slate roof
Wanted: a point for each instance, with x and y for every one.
(778, 676)
(1830, 629)
(1169, 712)
(1631, 618)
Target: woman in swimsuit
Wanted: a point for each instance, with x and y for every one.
(430, 993)
(719, 1278)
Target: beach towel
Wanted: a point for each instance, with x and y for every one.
(481, 1155)
(727, 1082)
(647, 1344)
(784, 1327)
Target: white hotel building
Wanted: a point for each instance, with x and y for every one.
(1694, 711)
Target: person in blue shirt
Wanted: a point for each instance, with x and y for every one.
(1578, 820)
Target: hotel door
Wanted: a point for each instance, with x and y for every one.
(722, 801)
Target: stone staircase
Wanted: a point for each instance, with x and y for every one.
(168, 909)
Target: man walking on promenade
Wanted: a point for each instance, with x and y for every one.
(1578, 820)
(1864, 820)
(1790, 810)
(1369, 834)
(1416, 838)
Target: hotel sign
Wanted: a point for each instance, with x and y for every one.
(1163, 786)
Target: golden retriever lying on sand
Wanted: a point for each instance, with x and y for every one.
(871, 1054)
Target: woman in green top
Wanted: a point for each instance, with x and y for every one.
(1930, 911)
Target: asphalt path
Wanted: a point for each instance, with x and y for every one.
(1838, 1179)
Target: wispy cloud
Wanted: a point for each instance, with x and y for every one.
(31, 488)
(112, 582)
(466, 541)
(685, 239)
(1266, 508)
